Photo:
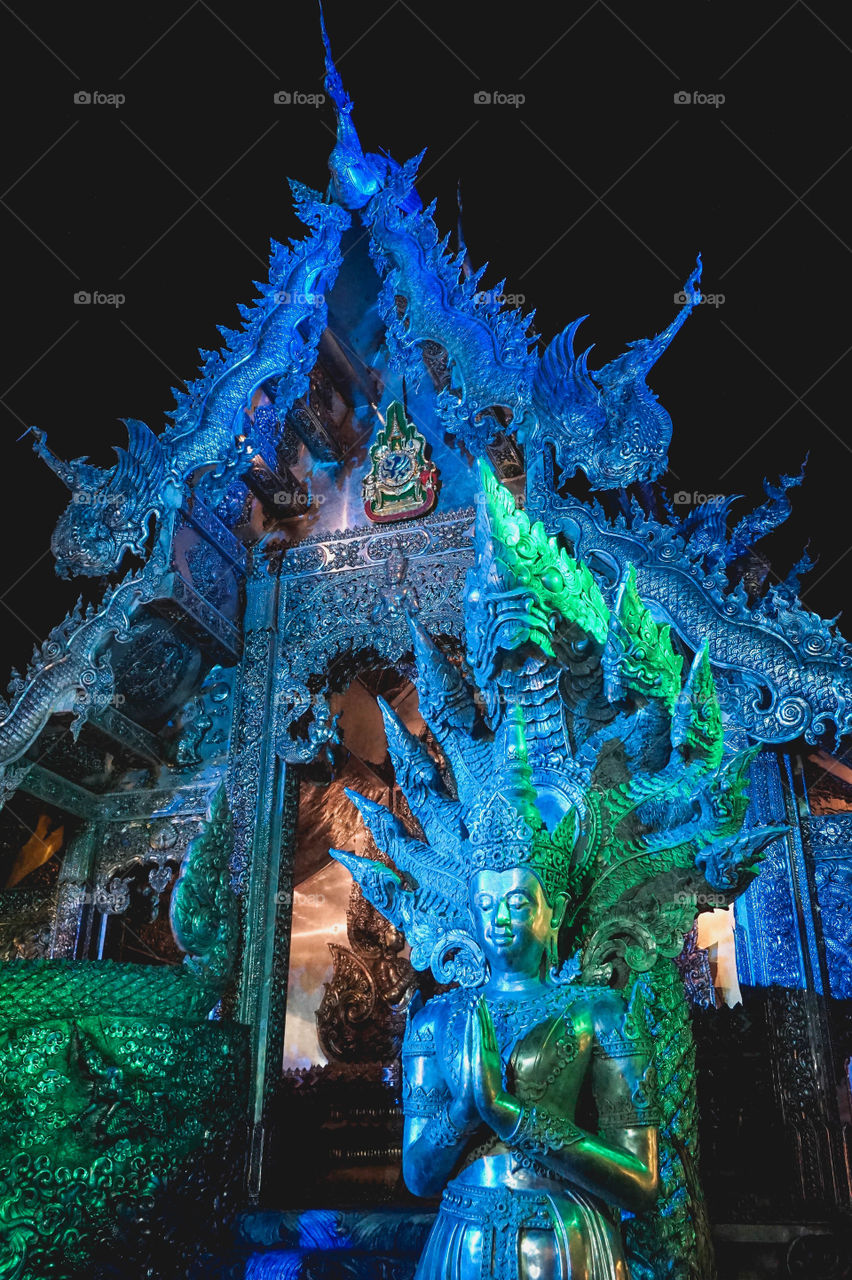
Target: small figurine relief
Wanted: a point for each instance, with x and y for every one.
(401, 483)
(397, 598)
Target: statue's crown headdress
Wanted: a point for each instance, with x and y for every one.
(504, 823)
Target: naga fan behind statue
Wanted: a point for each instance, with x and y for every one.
(577, 806)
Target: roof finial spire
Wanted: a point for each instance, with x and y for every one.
(354, 179)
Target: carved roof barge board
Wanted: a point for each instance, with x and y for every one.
(788, 672)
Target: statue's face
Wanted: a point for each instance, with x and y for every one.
(396, 566)
(513, 918)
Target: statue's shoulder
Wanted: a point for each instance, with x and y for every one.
(619, 1025)
(608, 1007)
(427, 1020)
(603, 1011)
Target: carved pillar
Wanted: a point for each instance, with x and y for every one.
(827, 846)
(258, 787)
(72, 927)
(780, 947)
(827, 841)
(769, 947)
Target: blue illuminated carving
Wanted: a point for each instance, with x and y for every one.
(355, 177)
(606, 422)
(277, 343)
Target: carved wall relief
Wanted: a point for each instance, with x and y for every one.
(212, 574)
(134, 875)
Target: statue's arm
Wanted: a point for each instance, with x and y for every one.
(624, 1083)
(437, 1126)
(619, 1163)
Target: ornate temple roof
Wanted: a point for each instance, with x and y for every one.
(373, 306)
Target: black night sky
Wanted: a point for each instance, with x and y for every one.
(592, 195)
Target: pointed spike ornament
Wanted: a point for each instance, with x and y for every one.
(639, 658)
(354, 179)
(449, 709)
(416, 861)
(697, 732)
(446, 702)
(421, 783)
(524, 589)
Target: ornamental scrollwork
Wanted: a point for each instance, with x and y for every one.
(787, 671)
(346, 612)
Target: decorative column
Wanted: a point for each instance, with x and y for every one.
(827, 842)
(780, 947)
(72, 926)
(261, 787)
(827, 847)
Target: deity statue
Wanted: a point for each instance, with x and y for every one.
(493, 1083)
(396, 596)
(586, 801)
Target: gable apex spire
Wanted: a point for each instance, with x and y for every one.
(356, 175)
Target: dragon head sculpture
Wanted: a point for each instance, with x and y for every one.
(110, 508)
(607, 422)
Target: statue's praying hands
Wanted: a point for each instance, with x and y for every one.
(493, 1077)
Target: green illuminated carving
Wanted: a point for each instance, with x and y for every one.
(646, 662)
(119, 1100)
(530, 559)
(697, 722)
